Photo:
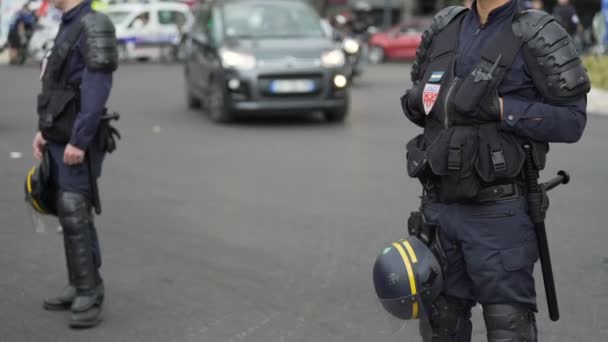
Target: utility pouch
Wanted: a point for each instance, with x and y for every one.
(474, 88)
(107, 136)
(500, 154)
(57, 110)
(417, 163)
(452, 157)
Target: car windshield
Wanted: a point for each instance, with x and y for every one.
(271, 20)
(118, 17)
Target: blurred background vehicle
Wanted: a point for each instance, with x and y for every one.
(398, 43)
(264, 57)
(150, 31)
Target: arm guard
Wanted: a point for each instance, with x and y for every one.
(99, 45)
(440, 21)
(552, 59)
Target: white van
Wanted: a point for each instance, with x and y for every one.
(149, 31)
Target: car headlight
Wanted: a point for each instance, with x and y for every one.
(237, 60)
(351, 46)
(333, 58)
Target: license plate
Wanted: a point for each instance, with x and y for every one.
(292, 86)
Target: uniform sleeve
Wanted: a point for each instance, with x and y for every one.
(94, 91)
(545, 122)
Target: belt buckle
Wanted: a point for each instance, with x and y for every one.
(499, 193)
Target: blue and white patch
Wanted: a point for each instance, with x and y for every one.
(436, 77)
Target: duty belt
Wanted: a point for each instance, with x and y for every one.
(489, 194)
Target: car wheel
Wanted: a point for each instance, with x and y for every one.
(336, 115)
(216, 103)
(376, 55)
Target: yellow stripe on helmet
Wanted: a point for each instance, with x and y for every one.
(34, 202)
(410, 274)
(410, 251)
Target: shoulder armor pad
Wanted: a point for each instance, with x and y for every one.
(551, 57)
(442, 19)
(100, 46)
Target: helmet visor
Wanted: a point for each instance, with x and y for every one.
(374, 321)
(35, 218)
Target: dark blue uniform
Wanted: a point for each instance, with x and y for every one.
(94, 91)
(491, 248)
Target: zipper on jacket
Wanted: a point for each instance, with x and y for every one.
(447, 99)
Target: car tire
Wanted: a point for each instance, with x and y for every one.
(215, 103)
(376, 54)
(336, 115)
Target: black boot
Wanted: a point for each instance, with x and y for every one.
(76, 218)
(86, 308)
(61, 302)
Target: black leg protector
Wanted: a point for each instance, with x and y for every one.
(76, 219)
(450, 321)
(510, 323)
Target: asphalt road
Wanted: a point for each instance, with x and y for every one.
(265, 230)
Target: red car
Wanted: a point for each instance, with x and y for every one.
(398, 43)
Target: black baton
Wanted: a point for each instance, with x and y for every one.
(93, 182)
(536, 194)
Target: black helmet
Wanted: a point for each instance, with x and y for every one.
(40, 193)
(407, 278)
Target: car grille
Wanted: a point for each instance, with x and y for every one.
(289, 63)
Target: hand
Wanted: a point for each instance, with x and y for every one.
(38, 145)
(414, 99)
(73, 155)
(491, 108)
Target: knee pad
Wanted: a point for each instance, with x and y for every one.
(510, 323)
(451, 320)
(74, 212)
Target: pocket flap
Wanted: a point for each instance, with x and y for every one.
(454, 151)
(416, 157)
(59, 101)
(519, 257)
(500, 154)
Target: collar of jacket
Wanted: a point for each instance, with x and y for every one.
(507, 9)
(82, 8)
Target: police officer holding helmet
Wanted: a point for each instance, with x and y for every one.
(487, 82)
(74, 137)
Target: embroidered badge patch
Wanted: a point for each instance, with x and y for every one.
(436, 77)
(429, 96)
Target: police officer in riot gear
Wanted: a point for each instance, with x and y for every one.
(76, 83)
(487, 81)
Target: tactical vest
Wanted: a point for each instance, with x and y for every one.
(457, 155)
(59, 101)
